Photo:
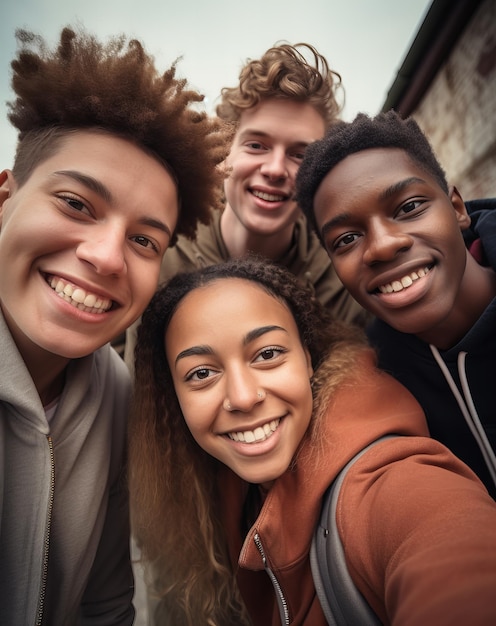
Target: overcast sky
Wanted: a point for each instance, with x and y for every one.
(364, 40)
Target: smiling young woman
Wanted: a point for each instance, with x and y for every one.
(249, 401)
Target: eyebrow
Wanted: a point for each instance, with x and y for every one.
(384, 195)
(104, 192)
(194, 351)
(87, 181)
(258, 332)
(250, 336)
(248, 132)
(253, 132)
(399, 186)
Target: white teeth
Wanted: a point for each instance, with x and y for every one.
(269, 197)
(255, 436)
(78, 297)
(405, 282)
(90, 300)
(259, 433)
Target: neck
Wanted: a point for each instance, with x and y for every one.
(48, 374)
(47, 370)
(477, 290)
(240, 241)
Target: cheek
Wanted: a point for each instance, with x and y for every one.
(347, 268)
(308, 407)
(144, 282)
(302, 396)
(241, 166)
(198, 412)
(293, 170)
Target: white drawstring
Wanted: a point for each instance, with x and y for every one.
(467, 407)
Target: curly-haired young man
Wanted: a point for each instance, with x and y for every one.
(283, 102)
(423, 262)
(100, 186)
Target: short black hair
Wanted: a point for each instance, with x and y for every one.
(385, 130)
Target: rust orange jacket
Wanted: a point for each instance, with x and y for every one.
(418, 528)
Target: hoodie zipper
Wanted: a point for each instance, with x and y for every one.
(281, 600)
(46, 541)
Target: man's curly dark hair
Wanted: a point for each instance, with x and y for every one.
(385, 130)
(115, 87)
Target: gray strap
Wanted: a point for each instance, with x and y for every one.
(342, 603)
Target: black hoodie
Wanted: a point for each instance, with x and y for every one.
(469, 432)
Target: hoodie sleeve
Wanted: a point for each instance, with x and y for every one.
(418, 530)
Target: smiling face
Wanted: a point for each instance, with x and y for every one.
(83, 240)
(394, 238)
(265, 156)
(242, 377)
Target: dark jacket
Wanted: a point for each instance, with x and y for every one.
(413, 363)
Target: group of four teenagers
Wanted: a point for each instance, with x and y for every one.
(251, 387)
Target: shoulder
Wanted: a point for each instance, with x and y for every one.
(189, 254)
(480, 237)
(111, 374)
(358, 403)
(308, 246)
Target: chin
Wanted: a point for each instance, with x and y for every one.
(73, 350)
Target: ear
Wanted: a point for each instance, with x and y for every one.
(7, 188)
(463, 218)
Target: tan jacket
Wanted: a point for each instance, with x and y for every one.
(306, 259)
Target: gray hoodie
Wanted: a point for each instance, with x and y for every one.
(64, 522)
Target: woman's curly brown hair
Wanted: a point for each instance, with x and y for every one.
(115, 87)
(284, 72)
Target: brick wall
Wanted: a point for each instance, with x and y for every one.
(458, 112)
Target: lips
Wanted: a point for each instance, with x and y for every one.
(404, 282)
(78, 297)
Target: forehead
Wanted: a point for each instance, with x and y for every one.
(110, 159)
(77, 144)
(375, 173)
(227, 307)
(280, 116)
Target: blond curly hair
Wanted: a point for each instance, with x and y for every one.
(285, 72)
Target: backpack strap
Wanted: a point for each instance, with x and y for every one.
(342, 603)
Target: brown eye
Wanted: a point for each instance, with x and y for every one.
(267, 354)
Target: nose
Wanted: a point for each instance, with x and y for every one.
(385, 240)
(243, 392)
(274, 166)
(104, 249)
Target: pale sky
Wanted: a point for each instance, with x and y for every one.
(364, 40)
